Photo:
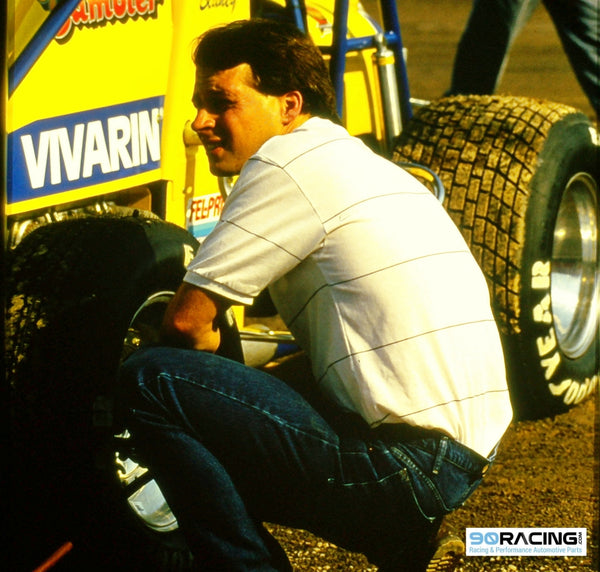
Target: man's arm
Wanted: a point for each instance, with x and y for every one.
(190, 320)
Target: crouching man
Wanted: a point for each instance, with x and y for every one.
(408, 397)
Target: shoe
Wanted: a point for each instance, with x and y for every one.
(448, 552)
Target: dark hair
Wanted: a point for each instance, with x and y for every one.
(281, 57)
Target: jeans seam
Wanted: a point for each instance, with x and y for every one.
(440, 455)
(424, 479)
(448, 459)
(281, 422)
(373, 481)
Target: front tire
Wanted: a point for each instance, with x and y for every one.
(522, 184)
(82, 294)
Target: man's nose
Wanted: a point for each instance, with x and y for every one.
(204, 120)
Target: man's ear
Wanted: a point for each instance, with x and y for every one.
(291, 106)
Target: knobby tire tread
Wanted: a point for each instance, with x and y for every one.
(485, 150)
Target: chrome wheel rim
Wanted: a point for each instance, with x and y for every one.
(574, 278)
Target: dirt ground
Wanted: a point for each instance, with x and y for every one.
(546, 473)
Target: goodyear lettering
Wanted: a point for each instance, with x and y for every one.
(546, 344)
(542, 314)
(550, 365)
(572, 391)
(77, 150)
(94, 12)
(541, 311)
(540, 275)
(560, 388)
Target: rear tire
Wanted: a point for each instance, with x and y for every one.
(522, 180)
(72, 292)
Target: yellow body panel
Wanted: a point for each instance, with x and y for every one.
(89, 120)
(94, 67)
(107, 107)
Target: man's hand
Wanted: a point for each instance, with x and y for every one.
(190, 320)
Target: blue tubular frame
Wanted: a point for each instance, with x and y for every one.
(391, 22)
(342, 45)
(39, 43)
(298, 12)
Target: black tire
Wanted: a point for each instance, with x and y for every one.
(73, 290)
(521, 179)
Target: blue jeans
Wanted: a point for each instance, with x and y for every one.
(232, 447)
(493, 26)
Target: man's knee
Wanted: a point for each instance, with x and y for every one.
(136, 380)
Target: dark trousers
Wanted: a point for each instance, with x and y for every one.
(493, 26)
(232, 447)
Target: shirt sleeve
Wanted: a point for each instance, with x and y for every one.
(267, 227)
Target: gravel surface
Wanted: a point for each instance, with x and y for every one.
(545, 475)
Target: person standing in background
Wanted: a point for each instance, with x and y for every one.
(493, 26)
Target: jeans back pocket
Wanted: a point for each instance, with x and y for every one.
(435, 493)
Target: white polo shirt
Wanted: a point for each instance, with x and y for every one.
(371, 276)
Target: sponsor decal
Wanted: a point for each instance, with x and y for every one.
(203, 213)
(324, 25)
(526, 542)
(572, 391)
(210, 4)
(82, 149)
(188, 254)
(93, 13)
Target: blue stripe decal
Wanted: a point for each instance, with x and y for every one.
(201, 230)
(82, 149)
